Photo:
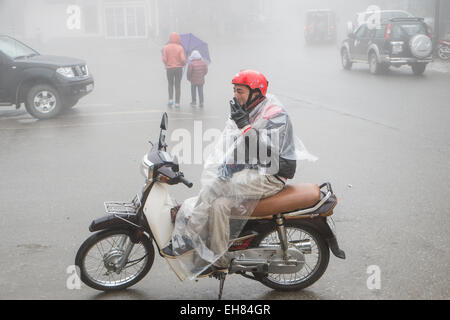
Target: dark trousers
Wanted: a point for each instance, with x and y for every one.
(194, 88)
(174, 78)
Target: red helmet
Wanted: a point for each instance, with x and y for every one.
(252, 79)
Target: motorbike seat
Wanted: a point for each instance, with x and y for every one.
(292, 197)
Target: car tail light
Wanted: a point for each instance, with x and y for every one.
(387, 35)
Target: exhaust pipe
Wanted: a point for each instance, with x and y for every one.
(250, 265)
(303, 245)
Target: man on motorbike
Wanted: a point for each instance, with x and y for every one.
(258, 156)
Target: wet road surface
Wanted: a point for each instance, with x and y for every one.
(382, 141)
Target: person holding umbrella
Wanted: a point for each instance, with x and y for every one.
(174, 60)
(196, 75)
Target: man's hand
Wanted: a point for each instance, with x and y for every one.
(238, 114)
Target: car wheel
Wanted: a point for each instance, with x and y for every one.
(346, 62)
(374, 66)
(43, 102)
(418, 68)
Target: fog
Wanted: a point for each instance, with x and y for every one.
(381, 139)
(127, 37)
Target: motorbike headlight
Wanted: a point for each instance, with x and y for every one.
(147, 168)
(66, 72)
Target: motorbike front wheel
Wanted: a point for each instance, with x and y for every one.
(316, 261)
(100, 260)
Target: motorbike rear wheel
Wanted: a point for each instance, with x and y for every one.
(316, 262)
(443, 52)
(100, 254)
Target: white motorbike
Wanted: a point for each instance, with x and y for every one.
(285, 244)
(443, 49)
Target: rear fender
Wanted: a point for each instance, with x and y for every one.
(317, 223)
(320, 224)
(374, 48)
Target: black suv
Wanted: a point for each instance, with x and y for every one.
(395, 42)
(46, 84)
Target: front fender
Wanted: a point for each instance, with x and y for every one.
(114, 221)
(34, 75)
(346, 46)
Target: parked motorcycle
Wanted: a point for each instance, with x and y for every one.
(284, 245)
(443, 49)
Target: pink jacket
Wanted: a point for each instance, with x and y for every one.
(173, 53)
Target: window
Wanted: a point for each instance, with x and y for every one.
(380, 31)
(126, 21)
(362, 32)
(15, 49)
(400, 31)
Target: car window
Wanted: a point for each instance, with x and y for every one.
(407, 30)
(361, 32)
(380, 31)
(14, 49)
(371, 33)
(317, 17)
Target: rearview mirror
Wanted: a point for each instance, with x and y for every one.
(164, 122)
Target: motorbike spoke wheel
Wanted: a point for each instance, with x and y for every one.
(315, 263)
(100, 254)
(443, 53)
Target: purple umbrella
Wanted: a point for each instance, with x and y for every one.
(191, 43)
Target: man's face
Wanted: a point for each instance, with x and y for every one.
(241, 93)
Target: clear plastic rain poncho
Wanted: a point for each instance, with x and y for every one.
(238, 172)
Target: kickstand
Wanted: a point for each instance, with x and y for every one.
(221, 276)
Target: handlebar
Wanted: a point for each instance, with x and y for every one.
(186, 182)
(174, 177)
